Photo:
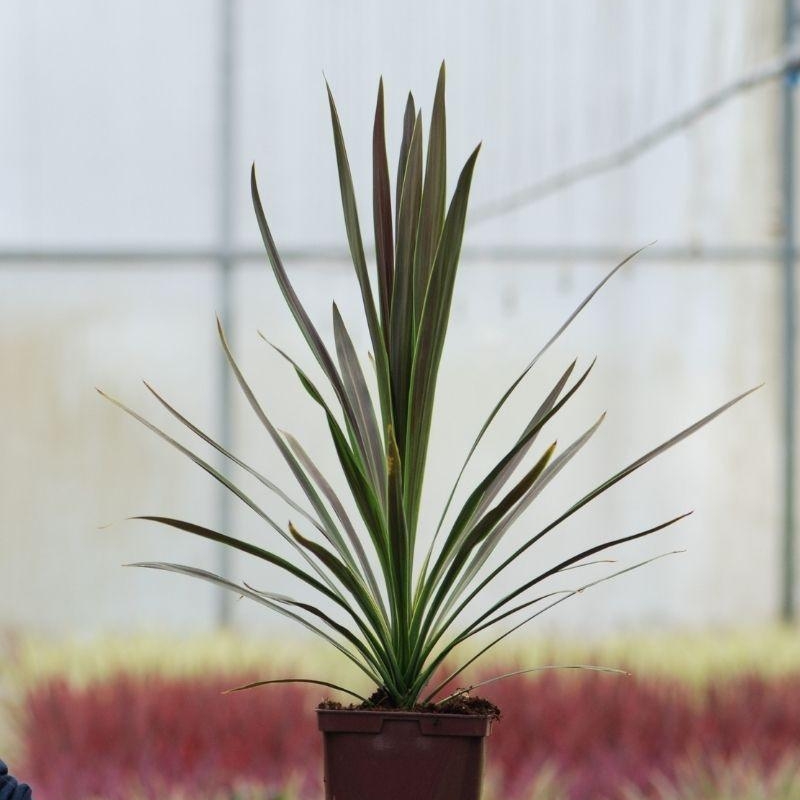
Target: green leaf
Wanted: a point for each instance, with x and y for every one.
(409, 118)
(478, 625)
(515, 610)
(353, 229)
(640, 462)
(397, 527)
(598, 548)
(352, 581)
(532, 427)
(461, 526)
(399, 544)
(434, 198)
(382, 215)
(366, 500)
(552, 470)
(360, 487)
(516, 672)
(401, 328)
(340, 512)
(430, 342)
(245, 547)
(218, 476)
(307, 328)
(485, 526)
(510, 612)
(590, 496)
(220, 449)
(331, 623)
(313, 610)
(270, 558)
(497, 513)
(330, 529)
(425, 677)
(358, 394)
(299, 680)
(350, 209)
(516, 382)
(494, 538)
(502, 476)
(243, 591)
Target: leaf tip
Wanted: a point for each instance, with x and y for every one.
(221, 332)
(331, 101)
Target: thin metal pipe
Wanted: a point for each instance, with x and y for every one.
(788, 187)
(786, 63)
(304, 256)
(224, 259)
(57, 256)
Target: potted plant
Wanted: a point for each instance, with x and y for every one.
(397, 604)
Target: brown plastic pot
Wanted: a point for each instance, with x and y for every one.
(397, 755)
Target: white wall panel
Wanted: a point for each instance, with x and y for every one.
(109, 138)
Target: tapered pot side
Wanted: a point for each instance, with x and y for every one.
(396, 755)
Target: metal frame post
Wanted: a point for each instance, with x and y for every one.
(225, 264)
(788, 170)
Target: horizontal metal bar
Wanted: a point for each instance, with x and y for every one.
(515, 253)
(49, 256)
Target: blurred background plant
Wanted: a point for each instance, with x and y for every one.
(698, 719)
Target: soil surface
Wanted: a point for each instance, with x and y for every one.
(379, 701)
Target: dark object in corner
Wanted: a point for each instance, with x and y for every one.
(10, 789)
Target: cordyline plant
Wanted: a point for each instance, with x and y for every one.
(405, 608)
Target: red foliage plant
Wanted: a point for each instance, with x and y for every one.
(160, 734)
(601, 734)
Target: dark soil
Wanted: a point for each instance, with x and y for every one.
(380, 701)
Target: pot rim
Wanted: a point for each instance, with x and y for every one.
(389, 712)
(335, 721)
